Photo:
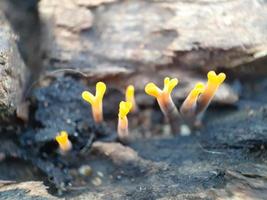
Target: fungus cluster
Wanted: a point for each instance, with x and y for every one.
(190, 113)
(193, 106)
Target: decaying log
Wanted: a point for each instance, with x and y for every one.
(13, 72)
(138, 35)
(112, 38)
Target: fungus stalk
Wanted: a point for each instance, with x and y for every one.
(129, 97)
(213, 83)
(96, 101)
(124, 109)
(165, 101)
(189, 106)
(63, 142)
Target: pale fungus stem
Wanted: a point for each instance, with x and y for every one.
(96, 101)
(63, 142)
(189, 106)
(123, 132)
(165, 101)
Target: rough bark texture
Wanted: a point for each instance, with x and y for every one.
(134, 40)
(24, 19)
(133, 35)
(24, 191)
(13, 72)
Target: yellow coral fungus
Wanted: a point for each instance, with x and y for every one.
(163, 96)
(63, 142)
(213, 83)
(124, 109)
(165, 101)
(129, 97)
(96, 101)
(189, 105)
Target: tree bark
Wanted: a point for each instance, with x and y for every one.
(135, 41)
(13, 73)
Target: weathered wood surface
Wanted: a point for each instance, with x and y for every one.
(245, 181)
(24, 19)
(135, 40)
(25, 191)
(140, 35)
(13, 72)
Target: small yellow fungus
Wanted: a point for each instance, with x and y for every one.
(63, 142)
(129, 97)
(96, 101)
(124, 109)
(165, 101)
(163, 96)
(189, 105)
(213, 83)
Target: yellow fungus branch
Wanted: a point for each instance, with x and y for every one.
(129, 97)
(188, 107)
(213, 83)
(124, 109)
(96, 101)
(165, 101)
(63, 142)
(163, 96)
